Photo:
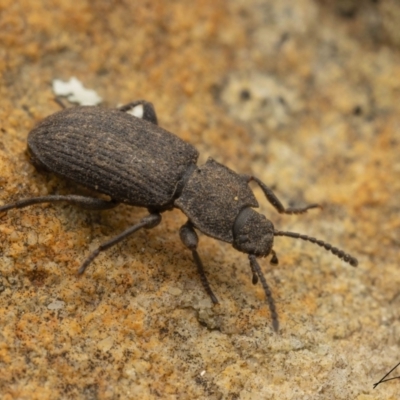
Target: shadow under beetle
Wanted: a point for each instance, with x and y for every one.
(134, 161)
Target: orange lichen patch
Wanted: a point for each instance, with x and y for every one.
(5, 353)
(372, 192)
(134, 320)
(234, 375)
(24, 325)
(375, 181)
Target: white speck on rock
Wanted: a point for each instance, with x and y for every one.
(56, 305)
(106, 344)
(175, 291)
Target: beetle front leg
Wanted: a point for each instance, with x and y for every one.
(257, 273)
(271, 197)
(190, 239)
(141, 109)
(148, 222)
(274, 261)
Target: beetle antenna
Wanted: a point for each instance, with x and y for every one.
(334, 250)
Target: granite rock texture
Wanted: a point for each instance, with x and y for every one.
(304, 95)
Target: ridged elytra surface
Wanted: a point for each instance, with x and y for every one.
(112, 152)
(213, 197)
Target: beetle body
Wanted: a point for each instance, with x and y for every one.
(210, 209)
(134, 161)
(112, 152)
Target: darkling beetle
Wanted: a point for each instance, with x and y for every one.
(124, 154)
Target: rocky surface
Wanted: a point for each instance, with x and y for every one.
(304, 95)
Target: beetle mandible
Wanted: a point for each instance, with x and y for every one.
(124, 154)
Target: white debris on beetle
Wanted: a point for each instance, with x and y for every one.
(137, 111)
(75, 92)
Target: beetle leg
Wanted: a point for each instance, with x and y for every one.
(271, 197)
(254, 279)
(190, 239)
(91, 203)
(274, 259)
(59, 102)
(255, 267)
(148, 222)
(141, 109)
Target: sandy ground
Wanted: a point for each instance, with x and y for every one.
(305, 96)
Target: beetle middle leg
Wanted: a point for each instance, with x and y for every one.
(141, 109)
(148, 222)
(271, 197)
(190, 239)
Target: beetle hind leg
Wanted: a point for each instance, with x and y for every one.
(190, 239)
(91, 203)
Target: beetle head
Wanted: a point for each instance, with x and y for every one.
(253, 233)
